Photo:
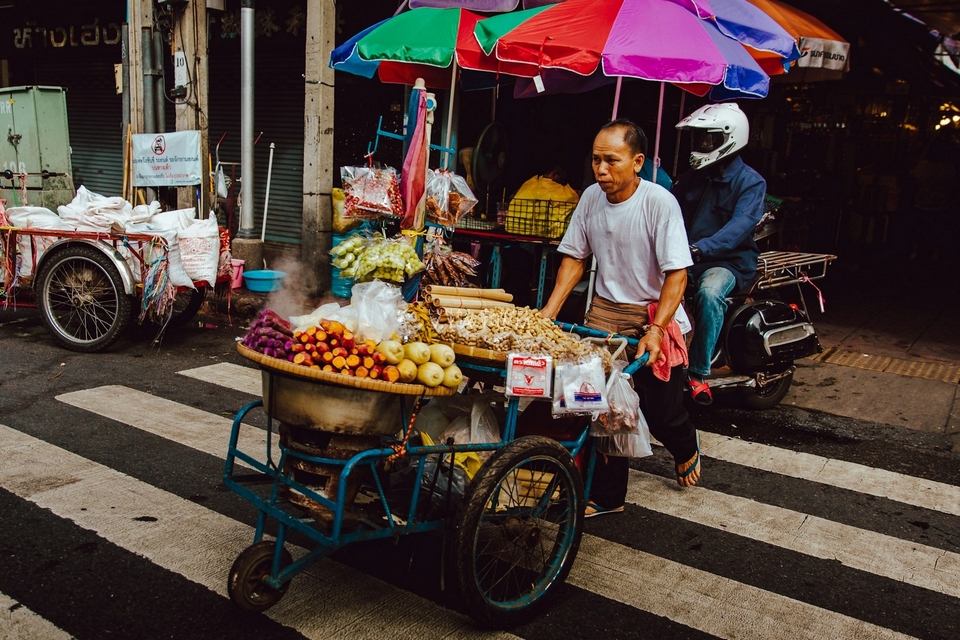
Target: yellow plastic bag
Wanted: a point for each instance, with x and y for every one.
(469, 461)
(542, 208)
(340, 223)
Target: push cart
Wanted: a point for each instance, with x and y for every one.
(513, 537)
(85, 287)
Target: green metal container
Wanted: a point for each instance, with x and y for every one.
(35, 139)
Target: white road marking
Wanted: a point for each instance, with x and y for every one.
(19, 623)
(876, 553)
(188, 426)
(927, 494)
(711, 603)
(231, 376)
(327, 601)
(918, 492)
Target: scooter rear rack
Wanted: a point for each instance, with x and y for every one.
(782, 268)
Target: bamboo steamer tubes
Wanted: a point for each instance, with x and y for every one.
(466, 292)
(453, 302)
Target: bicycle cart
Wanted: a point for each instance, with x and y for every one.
(84, 285)
(514, 535)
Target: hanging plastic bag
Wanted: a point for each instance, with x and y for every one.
(379, 307)
(627, 445)
(584, 387)
(370, 192)
(624, 414)
(448, 197)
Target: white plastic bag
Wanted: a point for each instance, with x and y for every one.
(584, 388)
(627, 445)
(624, 414)
(200, 250)
(379, 307)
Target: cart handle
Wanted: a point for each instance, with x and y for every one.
(589, 332)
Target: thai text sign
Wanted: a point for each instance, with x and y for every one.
(166, 159)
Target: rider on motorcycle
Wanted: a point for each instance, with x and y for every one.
(722, 202)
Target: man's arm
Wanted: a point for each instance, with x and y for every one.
(569, 274)
(746, 216)
(670, 296)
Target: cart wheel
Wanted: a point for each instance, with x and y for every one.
(246, 584)
(186, 305)
(767, 397)
(82, 300)
(518, 530)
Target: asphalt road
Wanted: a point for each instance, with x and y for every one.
(115, 522)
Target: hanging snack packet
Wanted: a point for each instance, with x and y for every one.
(448, 197)
(369, 192)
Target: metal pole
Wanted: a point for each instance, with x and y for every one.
(246, 119)
(446, 142)
(159, 93)
(616, 98)
(656, 144)
(266, 195)
(676, 151)
(146, 38)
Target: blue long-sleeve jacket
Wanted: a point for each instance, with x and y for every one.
(721, 207)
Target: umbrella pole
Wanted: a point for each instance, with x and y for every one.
(453, 88)
(656, 144)
(616, 98)
(676, 151)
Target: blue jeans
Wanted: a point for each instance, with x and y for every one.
(709, 306)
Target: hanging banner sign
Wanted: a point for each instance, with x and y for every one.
(166, 159)
(824, 54)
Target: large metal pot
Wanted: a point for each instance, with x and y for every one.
(316, 404)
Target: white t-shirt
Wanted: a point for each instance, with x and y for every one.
(635, 242)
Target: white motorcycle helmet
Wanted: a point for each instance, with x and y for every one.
(719, 130)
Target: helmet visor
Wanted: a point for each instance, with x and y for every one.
(705, 141)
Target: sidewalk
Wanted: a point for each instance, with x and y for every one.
(892, 347)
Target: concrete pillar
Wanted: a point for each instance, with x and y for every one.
(318, 147)
(190, 37)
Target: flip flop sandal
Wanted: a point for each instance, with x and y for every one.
(593, 509)
(700, 391)
(693, 465)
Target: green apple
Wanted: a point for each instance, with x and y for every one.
(442, 355)
(419, 352)
(392, 350)
(452, 376)
(430, 374)
(408, 370)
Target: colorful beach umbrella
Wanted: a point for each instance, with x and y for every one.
(752, 27)
(661, 40)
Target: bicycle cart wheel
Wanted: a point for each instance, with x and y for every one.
(247, 582)
(82, 299)
(518, 530)
(186, 305)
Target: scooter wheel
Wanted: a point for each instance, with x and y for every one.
(766, 397)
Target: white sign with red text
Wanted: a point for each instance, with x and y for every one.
(166, 159)
(529, 376)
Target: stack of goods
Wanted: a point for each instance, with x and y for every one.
(330, 346)
(519, 329)
(447, 267)
(365, 258)
(445, 298)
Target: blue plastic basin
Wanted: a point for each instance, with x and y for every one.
(264, 280)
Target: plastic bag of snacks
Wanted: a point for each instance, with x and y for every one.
(370, 192)
(448, 197)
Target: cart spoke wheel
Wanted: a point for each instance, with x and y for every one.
(82, 298)
(519, 530)
(247, 582)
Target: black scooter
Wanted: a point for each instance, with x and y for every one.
(763, 336)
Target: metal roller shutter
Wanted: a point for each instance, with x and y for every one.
(95, 116)
(278, 113)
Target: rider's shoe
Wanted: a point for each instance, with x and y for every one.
(699, 390)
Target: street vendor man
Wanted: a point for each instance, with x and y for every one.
(722, 203)
(634, 229)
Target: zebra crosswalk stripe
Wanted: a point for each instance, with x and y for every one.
(751, 609)
(19, 623)
(332, 601)
(881, 555)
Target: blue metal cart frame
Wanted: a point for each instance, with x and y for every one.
(262, 573)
